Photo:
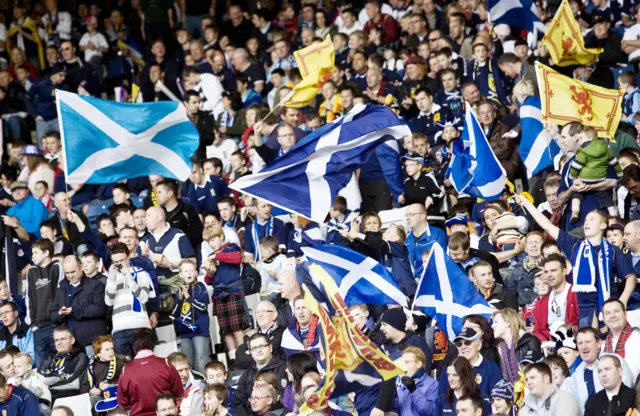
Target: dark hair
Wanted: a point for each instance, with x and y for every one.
(588, 330)
(467, 377)
(614, 300)
(220, 390)
(163, 396)
(44, 245)
(541, 367)
(52, 224)
(276, 71)
(508, 58)
(190, 70)
(64, 328)
(628, 77)
(487, 333)
(423, 90)
(300, 364)
(459, 240)
(258, 336)
(227, 200)
(215, 365)
(555, 359)
(120, 208)
(119, 248)
(340, 204)
(234, 98)
(217, 163)
(629, 173)
(143, 339)
(10, 172)
(556, 257)
(476, 400)
(240, 77)
(12, 304)
(240, 154)
(190, 93)
(377, 59)
(171, 185)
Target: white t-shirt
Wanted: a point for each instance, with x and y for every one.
(557, 307)
(98, 40)
(633, 33)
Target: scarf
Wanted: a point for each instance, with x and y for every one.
(584, 270)
(311, 336)
(111, 373)
(59, 362)
(509, 362)
(226, 119)
(624, 336)
(257, 236)
(63, 227)
(136, 306)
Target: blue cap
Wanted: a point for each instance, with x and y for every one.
(457, 220)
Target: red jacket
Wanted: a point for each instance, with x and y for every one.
(541, 315)
(142, 380)
(390, 29)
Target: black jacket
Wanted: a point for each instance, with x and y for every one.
(64, 380)
(88, 315)
(502, 299)
(244, 361)
(285, 313)
(526, 343)
(20, 332)
(185, 218)
(42, 284)
(205, 124)
(599, 404)
(245, 384)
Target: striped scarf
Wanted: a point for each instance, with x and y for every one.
(622, 340)
(111, 373)
(311, 335)
(257, 237)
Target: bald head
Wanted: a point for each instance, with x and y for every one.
(632, 236)
(155, 219)
(288, 284)
(72, 269)
(62, 202)
(416, 216)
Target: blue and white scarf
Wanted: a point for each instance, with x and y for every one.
(256, 236)
(584, 270)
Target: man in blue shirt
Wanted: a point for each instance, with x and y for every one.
(28, 210)
(263, 225)
(205, 190)
(421, 237)
(16, 401)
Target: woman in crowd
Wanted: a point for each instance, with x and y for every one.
(416, 391)
(513, 342)
(559, 370)
(298, 365)
(461, 383)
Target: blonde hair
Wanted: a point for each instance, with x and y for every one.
(24, 355)
(212, 232)
(417, 352)
(513, 319)
(524, 88)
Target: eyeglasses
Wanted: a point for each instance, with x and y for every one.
(259, 348)
(459, 344)
(256, 398)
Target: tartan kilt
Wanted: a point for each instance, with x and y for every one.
(230, 313)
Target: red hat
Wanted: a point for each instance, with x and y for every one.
(91, 20)
(414, 60)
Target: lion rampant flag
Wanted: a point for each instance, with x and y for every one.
(316, 63)
(565, 99)
(565, 42)
(348, 357)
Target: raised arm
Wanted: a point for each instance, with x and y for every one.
(542, 221)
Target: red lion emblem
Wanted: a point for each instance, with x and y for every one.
(583, 99)
(567, 44)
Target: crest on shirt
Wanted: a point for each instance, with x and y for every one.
(186, 306)
(436, 117)
(213, 192)
(478, 379)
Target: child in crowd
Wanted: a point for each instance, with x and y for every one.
(215, 400)
(30, 379)
(42, 194)
(106, 229)
(191, 313)
(223, 273)
(590, 166)
(49, 230)
(53, 147)
(270, 264)
(449, 96)
(18, 299)
(91, 265)
(216, 373)
(615, 232)
(631, 100)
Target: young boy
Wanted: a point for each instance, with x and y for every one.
(272, 262)
(106, 228)
(591, 164)
(93, 43)
(41, 193)
(30, 379)
(22, 75)
(42, 282)
(631, 100)
(216, 373)
(53, 146)
(6, 296)
(49, 231)
(191, 313)
(614, 235)
(91, 266)
(341, 219)
(216, 398)
(223, 273)
(211, 37)
(485, 73)
(449, 95)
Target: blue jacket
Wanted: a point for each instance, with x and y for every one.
(384, 164)
(205, 198)
(31, 214)
(192, 311)
(422, 402)
(418, 245)
(21, 338)
(21, 403)
(42, 101)
(227, 277)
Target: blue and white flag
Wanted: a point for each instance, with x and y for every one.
(537, 147)
(109, 141)
(360, 278)
(522, 14)
(474, 168)
(447, 294)
(307, 178)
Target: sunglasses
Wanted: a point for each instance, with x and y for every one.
(461, 343)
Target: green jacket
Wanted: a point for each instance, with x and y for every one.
(592, 162)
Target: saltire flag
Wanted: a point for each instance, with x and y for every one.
(522, 14)
(307, 178)
(316, 63)
(565, 100)
(360, 278)
(114, 141)
(565, 42)
(474, 168)
(351, 361)
(446, 293)
(537, 147)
